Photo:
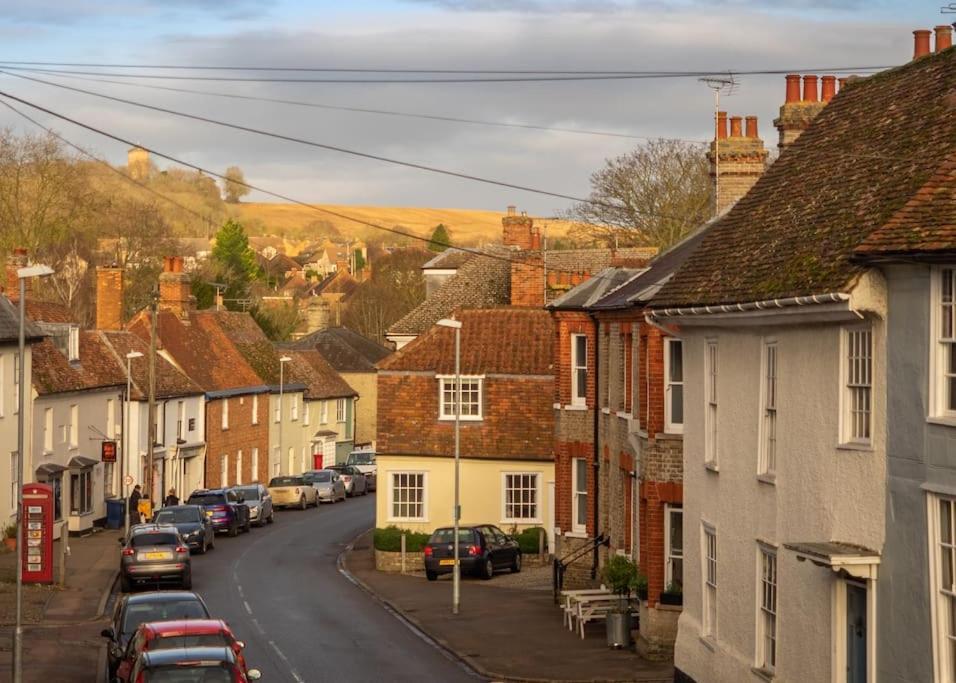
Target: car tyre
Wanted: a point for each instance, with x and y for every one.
(488, 569)
(431, 576)
(516, 564)
(126, 585)
(212, 542)
(234, 529)
(302, 503)
(272, 516)
(248, 527)
(202, 548)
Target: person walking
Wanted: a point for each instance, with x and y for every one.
(171, 499)
(134, 499)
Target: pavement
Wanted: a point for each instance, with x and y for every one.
(504, 631)
(62, 639)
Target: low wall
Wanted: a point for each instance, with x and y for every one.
(392, 562)
(658, 631)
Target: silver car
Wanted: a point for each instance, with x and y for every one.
(152, 554)
(327, 483)
(257, 497)
(355, 482)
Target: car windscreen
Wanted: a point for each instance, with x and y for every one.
(207, 499)
(169, 642)
(194, 672)
(287, 481)
(166, 610)
(248, 492)
(320, 477)
(153, 538)
(177, 516)
(361, 459)
(445, 536)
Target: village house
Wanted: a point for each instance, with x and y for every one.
(784, 362)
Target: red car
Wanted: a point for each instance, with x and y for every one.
(166, 635)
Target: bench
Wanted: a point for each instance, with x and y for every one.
(568, 602)
(594, 608)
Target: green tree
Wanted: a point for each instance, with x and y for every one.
(439, 240)
(233, 264)
(359, 260)
(234, 185)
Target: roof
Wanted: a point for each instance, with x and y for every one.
(589, 292)
(10, 323)
(44, 311)
(96, 368)
(182, 627)
(450, 259)
(308, 367)
(507, 340)
(871, 151)
(182, 655)
(245, 335)
(339, 282)
(170, 380)
(344, 349)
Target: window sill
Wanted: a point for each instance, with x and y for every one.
(575, 407)
(413, 520)
(942, 420)
(624, 415)
(862, 447)
(711, 467)
(709, 642)
(675, 436)
(521, 521)
(575, 534)
(767, 478)
(764, 674)
(462, 418)
(606, 411)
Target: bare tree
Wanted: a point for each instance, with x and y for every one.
(395, 288)
(651, 196)
(233, 186)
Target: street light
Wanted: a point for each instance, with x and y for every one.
(22, 275)
(282, 361)
(125, 465)
(456, 513)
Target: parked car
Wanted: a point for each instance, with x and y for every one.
(191, 665)
(364, 460)
(225, 509)
(355, 482)
(482, 550)
(327, 483)
(292, 491)
(165, 635)
(257, 497)
(192, 524)
(154, 553)
(132, 610)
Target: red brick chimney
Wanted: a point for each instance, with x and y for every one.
(175, 288)
(797, 113)
(517, 231)
(921, 43)
(109, 298)
(16, 260)
(828, 89)
(739, 159)
(944, 37)
(527, 279)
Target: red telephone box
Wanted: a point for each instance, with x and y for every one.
(37, 519)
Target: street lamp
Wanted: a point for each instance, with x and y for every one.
(22, 275)
(125, 465)
(282, 361)
(456, 513)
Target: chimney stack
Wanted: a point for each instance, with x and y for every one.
(828, 88)
(517, 230)
(739, 160)
(721, 125)
(944, 37)
(11, 285)
(175, 288)
(921, 43)
(810, 88)
(109, 298)
(793, 88)
(796, 113)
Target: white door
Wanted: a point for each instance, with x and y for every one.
(552, 538)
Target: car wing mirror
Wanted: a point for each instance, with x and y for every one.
(107, 632)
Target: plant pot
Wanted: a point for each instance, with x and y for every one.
(672, 599)
(618, 626)
(10, 543)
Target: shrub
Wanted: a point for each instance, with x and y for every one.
(620, 574)
(10, 530)
(639, 586)
(389, 539)
(528, 540)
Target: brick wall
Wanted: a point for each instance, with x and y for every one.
(109, 298)
(569, 323)
(527, 279)
(241, 435)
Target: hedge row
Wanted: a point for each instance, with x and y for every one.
(389, 539)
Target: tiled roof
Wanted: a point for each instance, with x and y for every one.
(589, 292)
(345, 350)
(96, 368)
(320, 379)
(926, 224)
(864, 158)
(449, 259)
(246, 336)
(170, 381)
(339, 282)
(593, 260)
(10, 323)
(44, 311)
(507, 340)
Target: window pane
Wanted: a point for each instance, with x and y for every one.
(580, 350)
(581, 382)
(677, 404)
(945, 521)
(676, 373)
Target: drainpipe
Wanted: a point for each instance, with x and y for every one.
(596, 465)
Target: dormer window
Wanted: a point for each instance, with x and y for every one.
(73, 344)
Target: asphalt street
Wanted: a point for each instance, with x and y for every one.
(280, 589)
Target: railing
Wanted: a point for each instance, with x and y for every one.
(561, 564)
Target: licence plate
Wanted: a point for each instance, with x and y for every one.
(157, 556)
(444, 563)
(208, 513)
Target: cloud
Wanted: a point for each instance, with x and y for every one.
(617, 6)
(70, 12)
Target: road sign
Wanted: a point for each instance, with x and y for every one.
(128, 480)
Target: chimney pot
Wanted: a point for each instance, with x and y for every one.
(842, 82)
(810, 88)
(829, 88)
(177, 264)
(921, 43)
(721, 125)
(524, 213)
(793, 88)
(511, 209)
(752, 127)
(167, 264)
(944, 37)
(736, 129)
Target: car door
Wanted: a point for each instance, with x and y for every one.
(266, 506)
(508, 548)
(491, 543)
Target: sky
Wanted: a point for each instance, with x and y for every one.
(676, 35)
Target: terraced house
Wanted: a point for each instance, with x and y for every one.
(790, 572)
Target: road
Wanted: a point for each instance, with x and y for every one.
(302, 621)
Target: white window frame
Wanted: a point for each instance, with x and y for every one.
(576, 365)
(856, 395)
(708, 556)
(942, 596)
(239, 467)
(277, 417)
(325, 412)
(767, 599)
(636, 375)
(291, 454)
(623, 371)
(670, 511)
(48, 430)
(74, 426)
(225, 414)
(224, 470)
(295, 407)
(84, 480)
(110, 419)
(255, 464)
(16, 383)
(181, 420)
(341, 410)
(392, 517)
(305, 413)
(711, 360)
(255, 409)
(938, 373)
(579, 496)
(769, 391)
(14, 482)
(606, 367)
(73, 343)
(534, 519)
(443, 413)
(671, 427)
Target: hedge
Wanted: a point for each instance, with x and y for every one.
(389, 539)
(528, 540)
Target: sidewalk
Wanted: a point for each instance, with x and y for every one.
(61, 640)
(503, 632)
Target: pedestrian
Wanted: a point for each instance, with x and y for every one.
(171, 499)
(134, 499)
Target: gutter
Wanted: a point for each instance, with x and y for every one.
(596, 465)
(767, 304)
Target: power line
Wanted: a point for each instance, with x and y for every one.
(384, 112)
(443, 79)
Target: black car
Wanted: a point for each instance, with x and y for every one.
(191, 522)
(140, 608)
(154, 554)
(191, 665)
(225, 508)
(482, 550)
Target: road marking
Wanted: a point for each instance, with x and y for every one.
(255, 622)
(292, 671)
(248, 609)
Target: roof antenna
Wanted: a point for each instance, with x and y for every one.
(728, 85)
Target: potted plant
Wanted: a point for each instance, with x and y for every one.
(620, 574)
(673, 594)
(640, 585)
(10, 536)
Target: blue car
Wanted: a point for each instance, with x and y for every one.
(225, 508)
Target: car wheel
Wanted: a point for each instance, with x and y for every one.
(248, 527)
(488, 570)
(302, 504)
(431, 576)
(516, 564)
(202, 548)
(272, 516)
(212, 542)
(126, 585)
(234, 529)
(188, 581)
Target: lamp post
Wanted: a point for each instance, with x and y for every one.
(125, 465)
(282, 361)
(22, 275)
(456, 513)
